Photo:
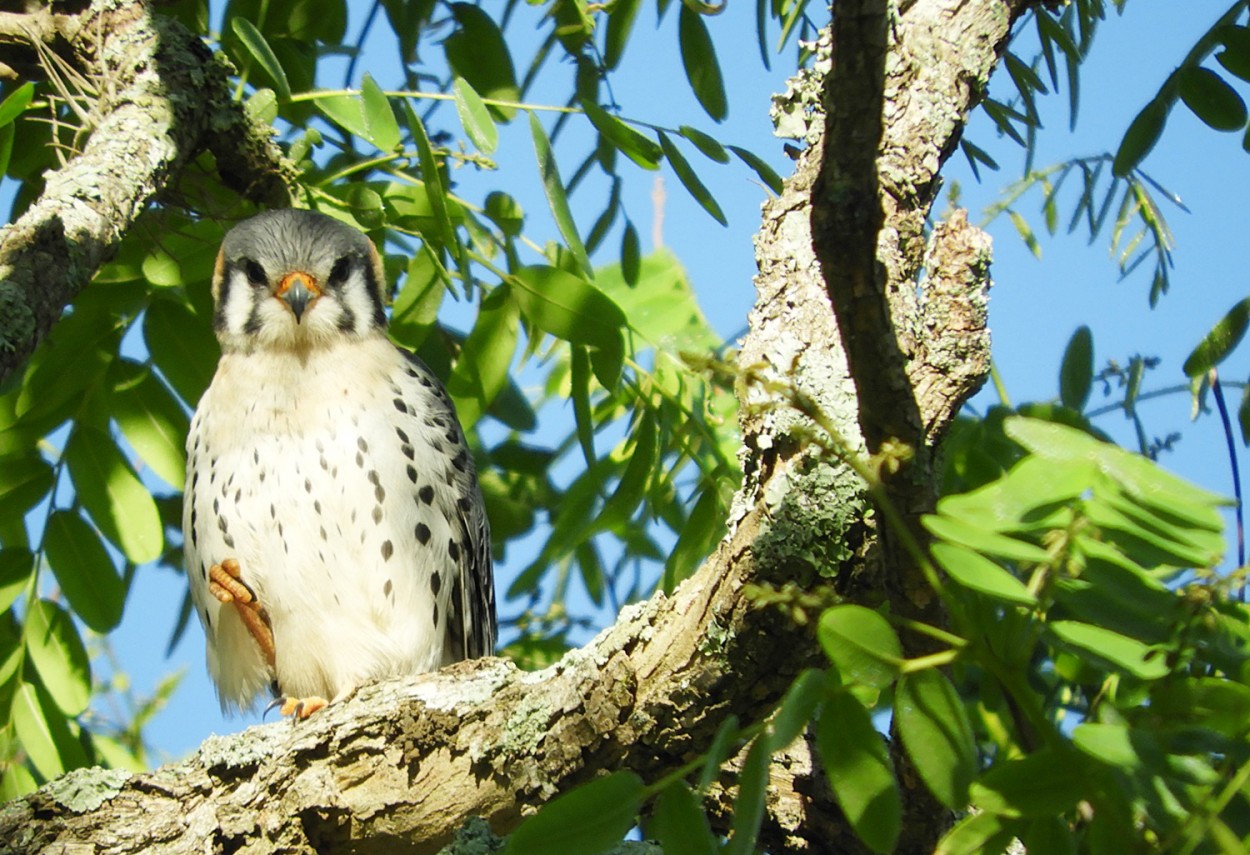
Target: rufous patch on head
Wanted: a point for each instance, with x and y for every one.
(379, 274)
(218, 269)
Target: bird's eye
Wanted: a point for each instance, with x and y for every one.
(338, 273)
(255, 273)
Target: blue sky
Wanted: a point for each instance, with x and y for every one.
(1035, 305)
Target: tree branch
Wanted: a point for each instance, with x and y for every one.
(163, 99)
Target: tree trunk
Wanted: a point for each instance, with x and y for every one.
(838, 329)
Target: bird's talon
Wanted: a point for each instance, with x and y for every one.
(298, 708)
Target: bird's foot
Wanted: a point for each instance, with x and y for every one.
(226, 584)
(298, 708)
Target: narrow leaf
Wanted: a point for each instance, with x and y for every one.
(1076, 376)
(748, 811)
(84, 570)
(553, 187)
(16, 103)
(588, 819)
(478, 52)
(1118, 651)
(114, 496)
(679, 824)
(859, 770)
(765, 172)
(59, 655)
(690, 180)
(620, 25)
(43, 733)
(381, 127)
(1141, 136)
(978, 573)
(638, 147)
(937, 734)
(704, 143)
(1217, 344)
(474, 116)
(256, 45)
(698, 57)
(567, 306)
(155, 425)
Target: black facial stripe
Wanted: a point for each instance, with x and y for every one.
(227, 282)
(347, 320)
(374, 289)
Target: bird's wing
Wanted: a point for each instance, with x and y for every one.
(471, 624)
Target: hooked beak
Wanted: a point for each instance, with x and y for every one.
(298, 290)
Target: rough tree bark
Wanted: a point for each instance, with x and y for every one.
(402, 764)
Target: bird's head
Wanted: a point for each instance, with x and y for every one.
(295, 280)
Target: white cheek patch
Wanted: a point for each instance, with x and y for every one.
(360, 302)
(238, 306)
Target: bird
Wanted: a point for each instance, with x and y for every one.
(334, 529)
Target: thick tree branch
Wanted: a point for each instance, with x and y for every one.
(163, 99)
(409, 760)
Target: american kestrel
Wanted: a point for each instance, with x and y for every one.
(334, 528)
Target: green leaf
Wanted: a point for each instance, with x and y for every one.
(1141, 136)
(765, 172)
(263, 54)
(346, 111)
(16, 782)
(704, 143)
(937, 734)
(505, 212)
(630, 488)
(978, 573)
(553, 187)
(586, 820)
(183, 347)
(55, 647)
(1116, 651)
(16, 103)
(1025, 232)
(478, 52)
(975, 835)
(114, 496)
(1211, 99)
(698, 57)
(1049, 834)
(154, 424)
(24, 481)
(679, 824)
(620, 25)
(481, 370)
(1217, 344)
(631, 259)
(474, 116)
(16, 565)
(748, 810)
(724, 742)
(982, 539)
(568, 307)
(797, 708)
(1243, 414)
(689, 180)
(1047, 783)
(1235, 58)
(703, 528)
(639, 148)
(859, 770)
(84, 570)
(381, 128)
(43, 733)
(861, 643)
(579, 390)
(1076, 376)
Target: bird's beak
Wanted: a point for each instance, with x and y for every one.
(298, 290)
